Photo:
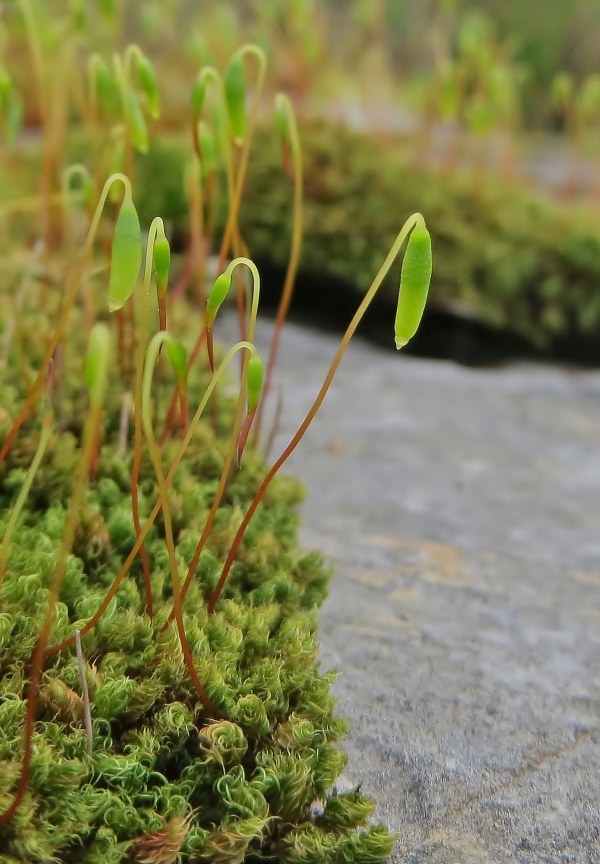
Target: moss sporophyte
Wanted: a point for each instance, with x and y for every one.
(160, 700)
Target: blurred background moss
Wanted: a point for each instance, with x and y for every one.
(484, 115)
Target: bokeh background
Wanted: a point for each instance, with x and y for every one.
(485, 116)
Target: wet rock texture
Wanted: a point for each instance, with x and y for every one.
(460, 509)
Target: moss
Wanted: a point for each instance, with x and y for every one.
(167, 780)
(510, 260)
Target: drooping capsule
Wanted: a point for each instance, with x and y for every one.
(161, 256)
(6, 86)
(235, 97)
(149, 85)
(177, 358)
(281, 116)
(198, 94)
(414, 284)
(217, 295)
(137, 123)
(254, 381)
(103, 82)
(126, 256)
(208, 149)
(15, 114)
(254, 385)
(97, 363)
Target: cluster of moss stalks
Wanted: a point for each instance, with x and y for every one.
(512, 261)
(167, 781)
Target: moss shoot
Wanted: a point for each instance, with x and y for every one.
(166, 780)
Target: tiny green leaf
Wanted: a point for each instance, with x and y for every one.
(161, 255)
(178, 358)
(116, 162)
(5, 87)
(217, 295)
(281, 116)
(78, 15)
(15, 113)
(562, 89)
(414, 284)
(235, 97)
(198, 94)
(102, 81)
(126, 255)
(97, 362)
(108, 9)
(208, 149)
(137, 124)
(254, 381)
(149, 85)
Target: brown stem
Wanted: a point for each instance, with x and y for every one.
(163, 491)
(408, 225)
(174, 398)
(184, 416)
(225, 473)
(293, 262)
(126, 566)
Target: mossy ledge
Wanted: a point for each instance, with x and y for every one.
(166, 782)
(513, 261)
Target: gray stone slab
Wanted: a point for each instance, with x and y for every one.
(460, 509)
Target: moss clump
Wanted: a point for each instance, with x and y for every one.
(510, 260)
(167, 780)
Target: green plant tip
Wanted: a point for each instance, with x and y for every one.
(254, 381)
(126, 257)
(149, 85)
(97, 363)
(414, 284)
(282, 116)
(102, 80)
(177, 358)
(5, 87)
(198, 94)
(208, 148)
(161, 255)
(217, 295)
(137, 123)
(235, 97)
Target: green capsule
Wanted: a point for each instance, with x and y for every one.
(208, 149)
(116, 162)
(414, 284)
(5, 88)
(78, 15)
(97, 362)
(235, 97)
(152, 20)
(149, 85)
(562, 89)
(15, 113)
(281, 116)
(85, 191)
(254, 381)
(137, 124)
(161, 255)
(177, 358)
(588, 99)
(102, 81)
(108, 9)
(198, 94)
(217, 295)
(126, 257)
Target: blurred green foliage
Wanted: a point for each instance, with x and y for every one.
(510, 260)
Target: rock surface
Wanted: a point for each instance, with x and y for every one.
(460, 509)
